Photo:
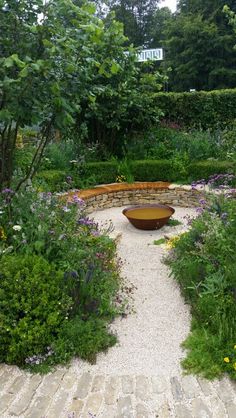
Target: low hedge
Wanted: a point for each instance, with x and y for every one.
(92, 174)
(204, 109)
(54, 179)
(101, 172)
(152, 170)
(205, 169)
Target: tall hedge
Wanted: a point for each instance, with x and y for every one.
(203, 109)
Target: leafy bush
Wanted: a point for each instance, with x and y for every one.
(205, 169)
(56, 237)
(203, 109)
(102, 172)
(53, 180)
(148, 170)
(33, 306)
(203, 262)
(165, 143)
(58, 155)
(22, 159)
(178, 168)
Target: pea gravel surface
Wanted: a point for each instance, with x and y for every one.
(150, 337)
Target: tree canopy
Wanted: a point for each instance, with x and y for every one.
(61, 67)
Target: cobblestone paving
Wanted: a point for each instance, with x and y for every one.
(66, 394)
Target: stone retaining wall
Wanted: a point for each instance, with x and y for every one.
(107, 196)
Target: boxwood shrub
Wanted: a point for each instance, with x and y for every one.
(205, 169)
(106, 172)
(152, 170)
(102, 171)
(52, 180)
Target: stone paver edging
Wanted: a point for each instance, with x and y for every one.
(67, 394)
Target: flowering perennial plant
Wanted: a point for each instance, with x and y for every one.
(59, 279)
(203, 262)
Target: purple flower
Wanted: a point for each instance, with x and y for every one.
(200, 210)
(95, 233)
(65, 209)
(77, 200)
(86, 221)
(202, 201)
(7, 190)
(224, 216)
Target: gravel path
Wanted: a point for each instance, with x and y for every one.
(149, 338)
(140, 377)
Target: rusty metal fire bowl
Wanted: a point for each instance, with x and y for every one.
(148, 217)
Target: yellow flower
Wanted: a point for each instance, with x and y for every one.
(2, 234)
(226, 360)
(234, 366)
(172, 242)
(120, 179)
(235, 347)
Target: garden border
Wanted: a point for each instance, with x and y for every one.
(122, 194)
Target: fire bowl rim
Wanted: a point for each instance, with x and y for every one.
(148, 224)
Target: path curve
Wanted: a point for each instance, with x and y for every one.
(141, 376)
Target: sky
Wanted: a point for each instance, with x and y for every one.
(169, 3)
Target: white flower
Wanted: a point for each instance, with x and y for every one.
(17, 228)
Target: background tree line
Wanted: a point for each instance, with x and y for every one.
(197, 39)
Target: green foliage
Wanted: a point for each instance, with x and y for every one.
(63, 275)
(58, 156)
(205, 110)
(177, 168)
(148, 170)
(125, 171)
(203, 263)
(137, 18)
(33, 306)
(173, 222)
(68, 72)
(102, 172)
(52, 180)
(159, 241)
(199, 47)
(82, 338)
(204, 169)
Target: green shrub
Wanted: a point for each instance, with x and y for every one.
(42, 235)
(203, 262)
(22, 159)
(102, 172)
(33, 306)
(152, 170)
(177, 168)
(58, 155)
(82, 338)
(203, 109)
(52, 180)
(165, 143)
(204, 169)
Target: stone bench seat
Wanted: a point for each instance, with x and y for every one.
(123, 194)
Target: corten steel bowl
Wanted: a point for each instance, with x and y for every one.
(148, 217)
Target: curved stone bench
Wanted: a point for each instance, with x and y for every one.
(122, 194)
